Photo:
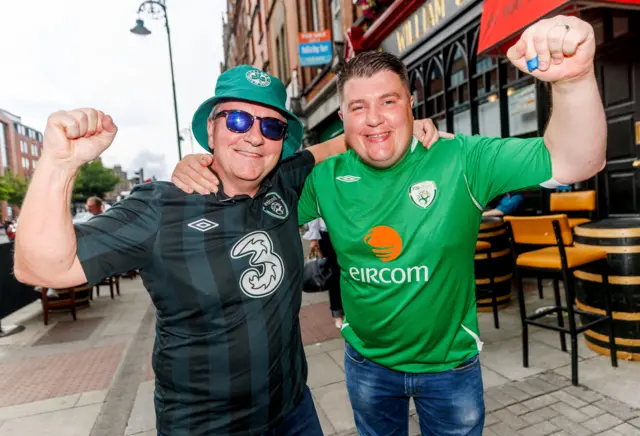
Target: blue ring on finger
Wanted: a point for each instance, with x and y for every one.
(532, 64)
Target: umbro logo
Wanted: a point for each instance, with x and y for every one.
(203, 225)
(348, 179)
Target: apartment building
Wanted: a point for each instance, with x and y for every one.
(20, 149)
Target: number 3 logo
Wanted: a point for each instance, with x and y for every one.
(265, 273)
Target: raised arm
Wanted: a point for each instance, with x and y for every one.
(576, 133)
(45, 251)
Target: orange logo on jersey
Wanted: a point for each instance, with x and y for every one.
(385, 243)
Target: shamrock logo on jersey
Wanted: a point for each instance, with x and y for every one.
(423, 193)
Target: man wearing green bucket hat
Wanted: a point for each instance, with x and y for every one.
(224, 271)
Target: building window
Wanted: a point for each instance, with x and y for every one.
(281, 50)
(435, 108)
(459, 91)
(336, 20)
(521, 103)
(25, 163)
(486, 82)
(34, 150)
(417, 91)
(4, 146)
(34, 163)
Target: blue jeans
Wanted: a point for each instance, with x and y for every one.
(302, 421)
(448, 403)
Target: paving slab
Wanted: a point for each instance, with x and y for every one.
(69, 422)
(622, 383)
(334, 402)
(37, 407)
(92, 397)
(323, 347)
(323, 371)
(338, 357)
(505, 358)
(491, 378)
(325, 423)
(143, 414)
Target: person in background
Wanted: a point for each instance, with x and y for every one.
(95, 205)
(509, 204)
(320, 241)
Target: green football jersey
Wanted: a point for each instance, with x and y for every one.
(405, 240)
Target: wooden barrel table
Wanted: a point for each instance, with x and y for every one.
(620, 238)
(494, 231)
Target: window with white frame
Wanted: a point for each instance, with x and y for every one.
(34, 150)
(25, 163)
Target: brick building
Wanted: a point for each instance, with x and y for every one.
(264, 33)
(20, 148)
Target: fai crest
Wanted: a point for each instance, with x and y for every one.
(258, 78)
(423, 193)
(275, 206)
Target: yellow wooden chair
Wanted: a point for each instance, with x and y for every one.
(574, 203)
(557, 260)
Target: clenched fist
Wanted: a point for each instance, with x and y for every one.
(558, 49)
(75, 137)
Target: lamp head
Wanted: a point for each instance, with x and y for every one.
(139, 29)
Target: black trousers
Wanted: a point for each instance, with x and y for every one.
(333, 285)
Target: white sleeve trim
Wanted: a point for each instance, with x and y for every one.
(471, 195)
(551, 184)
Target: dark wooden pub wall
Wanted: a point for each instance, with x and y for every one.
(452, 78)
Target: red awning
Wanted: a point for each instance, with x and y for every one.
(503, 20)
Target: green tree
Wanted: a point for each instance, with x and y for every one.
(93, 179)
(13, 188)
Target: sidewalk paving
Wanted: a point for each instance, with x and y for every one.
(93, 376)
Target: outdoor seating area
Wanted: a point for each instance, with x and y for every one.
(594, 260)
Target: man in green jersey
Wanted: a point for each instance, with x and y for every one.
(404, 222)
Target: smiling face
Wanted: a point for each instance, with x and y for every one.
(377, 116)
(242, 160)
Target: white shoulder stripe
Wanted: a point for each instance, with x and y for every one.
(471, 195)
(475, 337)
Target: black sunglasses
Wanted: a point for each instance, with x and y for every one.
(241, 121)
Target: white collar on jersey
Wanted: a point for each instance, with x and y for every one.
(414, 142)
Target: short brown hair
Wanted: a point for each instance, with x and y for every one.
(96, 200)
(368, 63)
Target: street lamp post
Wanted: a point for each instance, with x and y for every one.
(157, 8)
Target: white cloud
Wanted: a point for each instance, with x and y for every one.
(77, 53)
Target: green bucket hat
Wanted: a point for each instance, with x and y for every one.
(249, 84)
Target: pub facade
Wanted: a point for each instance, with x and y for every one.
(460, 77)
